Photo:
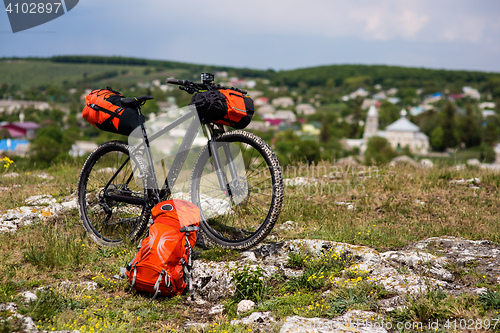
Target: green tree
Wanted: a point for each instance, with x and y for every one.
(48, 145)
(470, 128)
(408, 96)
(354, 109)
(427, 121)
(290, 148)
(387, 114)
(436, 139)
(378, 150)
(491, 130)
(449, 126)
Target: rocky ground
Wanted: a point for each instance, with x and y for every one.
(430, 263)
(411, 270)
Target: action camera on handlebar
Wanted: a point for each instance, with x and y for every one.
(207, 78)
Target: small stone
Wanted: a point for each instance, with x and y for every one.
(473, 161)
(44, 175)
(403, 160)
(256, 317)
(248, 256)
(10, 307)
(245, 306)
(216, 309)
(288, 225)
(89, 285)
(480, 291)
(200, 301)
(29, 296)
(426, 163)
(11, 175)
(37, 200)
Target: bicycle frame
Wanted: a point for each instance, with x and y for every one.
(179, 159)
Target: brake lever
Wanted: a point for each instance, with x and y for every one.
(189, 90)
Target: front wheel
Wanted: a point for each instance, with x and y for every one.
(241, 212)
(112, 195)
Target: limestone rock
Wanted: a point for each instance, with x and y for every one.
(347, 161)
(426, 163)
(403, 160)
(245, 305)
(473, 161)
(255, 318)
(407, 271)
(29, 296)
(216, 309)
(299, 181)
(351, 321)
(39, 208)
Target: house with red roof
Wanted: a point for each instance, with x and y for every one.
(20, 130)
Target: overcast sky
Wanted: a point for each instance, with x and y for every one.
(449, 34)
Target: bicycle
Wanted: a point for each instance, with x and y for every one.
(118, 184)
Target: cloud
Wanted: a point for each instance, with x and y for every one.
(424, 20)
(279, 34)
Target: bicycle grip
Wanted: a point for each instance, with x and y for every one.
(171, 80)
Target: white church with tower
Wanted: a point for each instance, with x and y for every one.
(401, 133)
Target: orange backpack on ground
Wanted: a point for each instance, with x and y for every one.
(163, 263)
(104, 110)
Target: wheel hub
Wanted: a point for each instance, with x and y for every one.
(239, 189)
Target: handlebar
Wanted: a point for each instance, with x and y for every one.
(171, 80)
(192, 87)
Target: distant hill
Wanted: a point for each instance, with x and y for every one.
(92, 71)
(387, 76)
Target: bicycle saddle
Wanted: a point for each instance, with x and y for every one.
(133, 101)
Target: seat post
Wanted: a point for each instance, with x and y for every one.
(149, 158)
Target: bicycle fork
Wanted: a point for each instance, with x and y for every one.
(216, 160)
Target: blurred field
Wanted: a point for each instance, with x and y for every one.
(29, 73)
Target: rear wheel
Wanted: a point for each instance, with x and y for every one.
(111, 196)
(244, 211)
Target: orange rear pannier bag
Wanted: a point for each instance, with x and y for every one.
(104, 110)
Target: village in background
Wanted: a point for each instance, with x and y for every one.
(304, 121)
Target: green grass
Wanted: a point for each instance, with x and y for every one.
(395, 207)
(391, 207)
(219, 254)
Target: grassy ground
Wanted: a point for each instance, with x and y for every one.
(385, 208)
(391, 207)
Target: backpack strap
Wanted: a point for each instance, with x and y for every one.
(188, 279)
(134, 277)
(157, 284)
(189, 228)
(168, 283)
(186, 231)
(186, 267)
